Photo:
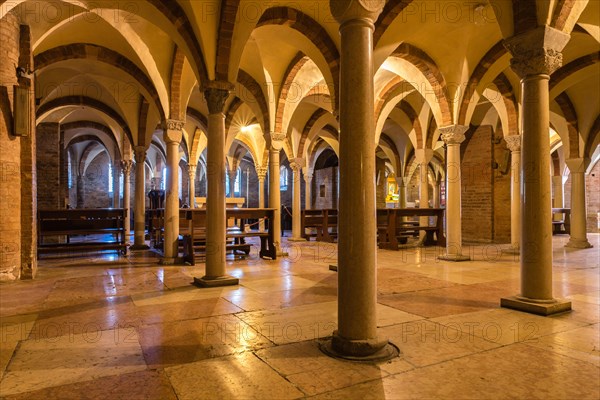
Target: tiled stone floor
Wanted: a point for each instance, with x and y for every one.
(104, 327)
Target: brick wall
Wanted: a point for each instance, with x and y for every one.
(48, 166)
(381, 184)
(95, 181)
(592, 190)
(325, 189)
(501, 187)
(477, 185)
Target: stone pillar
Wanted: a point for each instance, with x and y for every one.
(536, 54)
(558, 191)
(296, 166)
(578, 239)
(172, 135)
(423, 157)
(357, 334)
(453, 136)
(126, 167)
(192, 184)
(231, 175)
(308, 177)
(139, 209)
(513, 142)
(436, 193)
(116, 171)
(274, 191)
(261, 172)
(216, 93)
(401, 191)
(80, 190)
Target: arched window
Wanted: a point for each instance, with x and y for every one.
(237, 187)
(163, 183)
(110, 178)
(69, 171)
(283, 178)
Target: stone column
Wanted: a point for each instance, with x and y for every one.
(232, 174)
(558, 191)
(116, 174)
(139, 210)
(172, 135)
(401, 191)
(274, 190)
(308, 177)
(357, 334)
(126, 167)
(261, 172)
(513, 142)
(436, 193)
(80, 191)
(578, 240)
(423, 157)
(536, 54)
(296, 166)
(453, 136)
(192, 184)
(216, 94)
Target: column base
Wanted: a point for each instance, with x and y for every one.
(454, 257)
(371, 350)
(296, 239)
(579, 244)
(136, 247)
(540, 307)
(209, 282)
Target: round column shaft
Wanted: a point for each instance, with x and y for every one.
(172, 136)
(139, 210)
(578, 228)
(296, 168)
(308, 176)
(192, 184)
(126, 167)
(513, 143)
(261, 172)
(274, 188)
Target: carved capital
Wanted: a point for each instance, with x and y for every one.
(453, 134)
(277, 140)
(173, 125)
(173, 131)
(347, 10)
(232, 173)
(261, 172)
(192, 168)
(140, 154)
(513, 142)
(537, 52)
(126, 166)
(308, 175)
(216, 94)
(577, 165)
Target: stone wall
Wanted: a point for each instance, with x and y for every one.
(501, 186)
(592, 190)
(325, 188)
(95, 182)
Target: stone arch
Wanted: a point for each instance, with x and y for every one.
(176, 75)
(568, 110)
(292, 71)
(254, 88)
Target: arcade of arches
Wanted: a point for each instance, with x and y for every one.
(489, 109)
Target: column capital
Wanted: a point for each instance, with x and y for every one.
(126, 166)
(140, 154)
(577, 165)
(423, 156)
(216, 94)
(308, 174)
(192, 168)
(173, 130)
(513, 142)
(232, 173)
(277, 140)
(453, 134)
(537, 51)
(296, 164)
(261, 172)
(347, 10)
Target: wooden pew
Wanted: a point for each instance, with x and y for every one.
(194, 233)
(321, 221)
(562, 226)
(80, 223)
(392, 228)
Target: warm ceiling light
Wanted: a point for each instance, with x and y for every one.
(244, 129)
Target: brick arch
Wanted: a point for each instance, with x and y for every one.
(510, 102)
(174, 13)
(592, 139)
(85, 154)
(410, 112)
(569, 69)
(386, 93)
(252, 86)
(307, 127)
(86, 102)
(176, 75)
(431, 72)
(93, 52)
(229, 10)
(312, 30)
(555, 163)
(489, 59)
(234, 106)
(90, 125)
(561, 13)
(391, 10)
(290, 75)
(199, 117)
(388, 141)
(142, 121)
(568, 111)
(524, 15)
(432, 127)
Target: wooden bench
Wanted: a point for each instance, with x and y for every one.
(393, 228)
(64, 225)
(562, 225)
(193, 232)
(320, 221)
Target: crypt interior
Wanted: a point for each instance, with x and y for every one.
(299, 199)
